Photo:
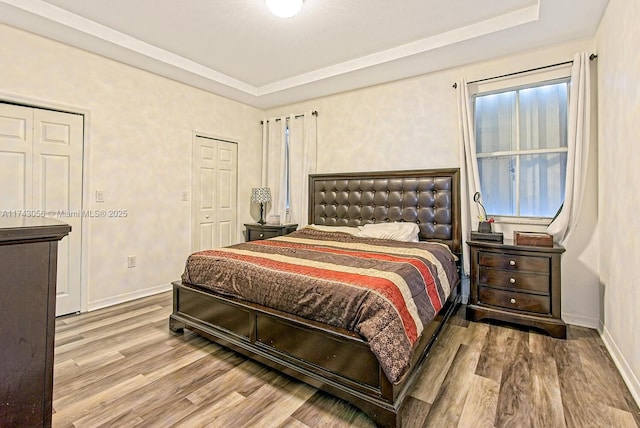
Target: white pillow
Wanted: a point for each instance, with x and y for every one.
(342, 229)
(400, 231)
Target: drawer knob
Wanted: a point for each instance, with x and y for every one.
(512, 280)
(262, 235)
(513, 300)
(512, 262)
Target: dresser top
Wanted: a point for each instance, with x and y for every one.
(32, 229)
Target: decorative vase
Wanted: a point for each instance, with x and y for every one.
(484, 227)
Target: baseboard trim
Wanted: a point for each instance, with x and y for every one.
(127, 297)
(621, 363)
(581, 320)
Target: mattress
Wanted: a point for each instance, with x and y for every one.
(384, 290)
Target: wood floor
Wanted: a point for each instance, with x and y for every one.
(121, 367)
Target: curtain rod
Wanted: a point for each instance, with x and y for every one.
(591, 57)
(315, 113)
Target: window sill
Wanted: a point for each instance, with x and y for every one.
(538, 221)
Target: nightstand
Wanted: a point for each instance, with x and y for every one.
(256, 231)
(516, 284)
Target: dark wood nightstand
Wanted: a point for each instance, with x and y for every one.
(256, 231)
(516, 284)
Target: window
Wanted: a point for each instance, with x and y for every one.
(521, 146)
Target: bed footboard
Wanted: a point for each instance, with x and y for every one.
(333, 360)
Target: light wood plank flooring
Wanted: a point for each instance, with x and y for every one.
(121, 367)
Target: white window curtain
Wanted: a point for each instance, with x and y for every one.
(303, 156)
(273, 163)
(578, 136)
(469, 177)
(302, 162)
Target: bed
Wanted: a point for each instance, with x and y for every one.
(312, 336)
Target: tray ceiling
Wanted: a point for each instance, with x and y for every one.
(239, 50)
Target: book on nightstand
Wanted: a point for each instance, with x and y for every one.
(487, 236)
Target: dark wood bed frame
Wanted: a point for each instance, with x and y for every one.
(335, 360)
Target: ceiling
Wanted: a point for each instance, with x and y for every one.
(237, 49)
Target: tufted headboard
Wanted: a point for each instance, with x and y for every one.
(429, 198)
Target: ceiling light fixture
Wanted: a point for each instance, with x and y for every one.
(284, 8)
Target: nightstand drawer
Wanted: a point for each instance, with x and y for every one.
(514, 300)
(255, 235)
(514, 262)
(513, 280)
(257, 232)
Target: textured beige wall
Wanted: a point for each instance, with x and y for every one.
(412, 123)
(139, 142)
(386, 127)
(618, 40)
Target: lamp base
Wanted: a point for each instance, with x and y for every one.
(261, 221)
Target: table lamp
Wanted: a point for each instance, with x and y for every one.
(261, 195)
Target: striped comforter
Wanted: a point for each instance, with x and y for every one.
(386, 291)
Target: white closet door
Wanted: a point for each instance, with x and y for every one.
(57, 176)
(41, 172)
(214, 184)
(227, 193)
(16, 155)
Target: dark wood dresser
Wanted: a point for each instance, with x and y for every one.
(257, 231)
(516, 284)
(28, 257)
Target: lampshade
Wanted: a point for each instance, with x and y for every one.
(261, 194)
(284, 8)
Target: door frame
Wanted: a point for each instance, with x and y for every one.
(9, 98)
(193, 209)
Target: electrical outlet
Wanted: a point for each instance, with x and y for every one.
(185, 195)
(99, 195)
(131, 261)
